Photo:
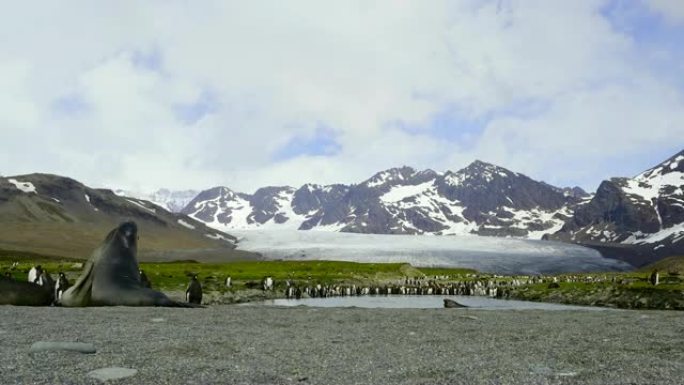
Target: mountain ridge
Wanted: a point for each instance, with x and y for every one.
(481, 199)
(638, 219)
(645, 212)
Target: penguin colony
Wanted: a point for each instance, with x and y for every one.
(437, 285)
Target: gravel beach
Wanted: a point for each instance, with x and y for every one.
(274, 345)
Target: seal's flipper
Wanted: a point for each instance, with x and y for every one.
(79, 294)
(160, 299)
(183, 305)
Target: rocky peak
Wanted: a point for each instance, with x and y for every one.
(674, 164)
(480, 170)
(485, 188)
(217, 193)
(390, 176)
(575, 192)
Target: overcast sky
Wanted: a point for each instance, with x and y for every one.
(188, 94)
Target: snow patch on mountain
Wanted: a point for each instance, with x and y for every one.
(141, 205)
(675, 232)
(186, 224)
(26, 187)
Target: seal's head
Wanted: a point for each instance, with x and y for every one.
(128, 233)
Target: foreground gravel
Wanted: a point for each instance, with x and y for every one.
(257, 345)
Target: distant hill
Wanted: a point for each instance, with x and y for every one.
(51, 215)
(668, 265)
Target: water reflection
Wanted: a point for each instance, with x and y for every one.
(421, 302)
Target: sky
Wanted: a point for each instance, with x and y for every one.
(180, 94)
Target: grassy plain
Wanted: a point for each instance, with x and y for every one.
(623, 290)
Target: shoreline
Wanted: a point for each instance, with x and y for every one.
(602, 299)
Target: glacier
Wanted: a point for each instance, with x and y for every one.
(485, 254)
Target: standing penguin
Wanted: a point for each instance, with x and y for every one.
(34, 274)
(61, 286)
(194, 292)
(45, 279)
(654, 278)
(229, 282)
(144, 281)
(267, 283)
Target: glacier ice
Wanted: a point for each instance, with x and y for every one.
(485, 254)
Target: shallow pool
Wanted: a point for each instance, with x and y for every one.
(421, 302)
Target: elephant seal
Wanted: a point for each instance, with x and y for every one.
(450, 303)
(111, 277)
(20, 293)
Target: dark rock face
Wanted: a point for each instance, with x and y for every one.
(611, 205)
(207, 205)
(481, 199)
(484, 187)
(646, 212)
(266, 199)
(311, 198)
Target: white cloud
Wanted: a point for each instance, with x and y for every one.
(587, 127)
(358, 68)
(671, 10)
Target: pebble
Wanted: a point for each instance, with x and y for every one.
(157, 320)
(46, 346)
(540, 369)
(113, 373)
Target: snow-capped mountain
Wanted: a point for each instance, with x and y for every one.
(173, 201)
(480, 199)
(645, 211)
